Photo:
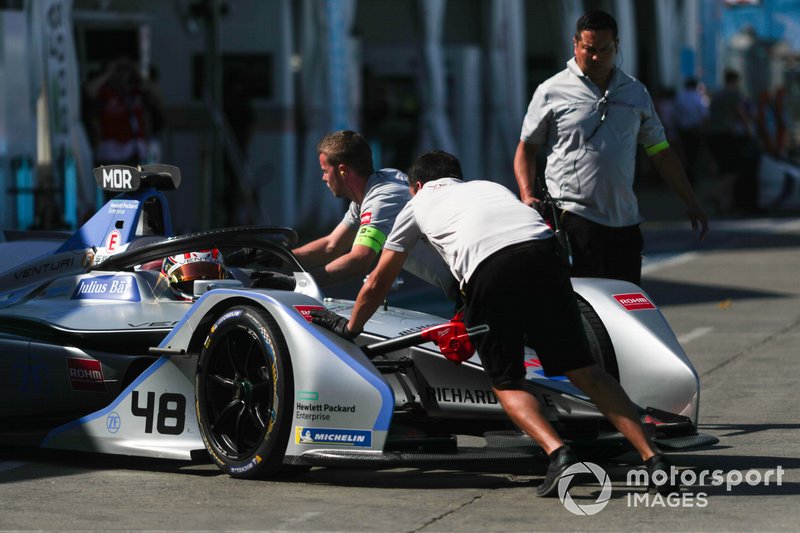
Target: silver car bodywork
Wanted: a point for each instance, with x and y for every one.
(95, 355)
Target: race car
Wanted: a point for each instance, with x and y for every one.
(106, 347)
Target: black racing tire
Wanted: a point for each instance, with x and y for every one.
(603, 353)
(599, 340)
(244, 391)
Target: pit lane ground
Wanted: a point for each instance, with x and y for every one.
(734, 301)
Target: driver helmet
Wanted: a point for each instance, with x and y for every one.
(182, 270)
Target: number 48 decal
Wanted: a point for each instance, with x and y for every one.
(171, 417)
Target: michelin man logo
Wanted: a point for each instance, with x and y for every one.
(584, 469)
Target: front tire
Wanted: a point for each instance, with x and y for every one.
(244, 392)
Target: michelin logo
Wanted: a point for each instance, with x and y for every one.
(339, 437)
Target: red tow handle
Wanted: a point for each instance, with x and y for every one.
(452, 338)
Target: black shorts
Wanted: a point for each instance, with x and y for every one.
(524, 294)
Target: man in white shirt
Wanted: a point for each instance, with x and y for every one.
(504, 257)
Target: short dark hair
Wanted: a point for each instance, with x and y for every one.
(731, 76)
(595, 20)
(434, 165)
(347, 147)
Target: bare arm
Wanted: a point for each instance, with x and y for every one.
(669, 168)
(321, 251)
(353, 265)
(335, 259)
(525, 172)
(375, 289)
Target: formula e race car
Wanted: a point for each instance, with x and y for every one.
(99, 353)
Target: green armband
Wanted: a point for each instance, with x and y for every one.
(656, 148)
(371, 237)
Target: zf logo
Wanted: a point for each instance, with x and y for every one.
(113, 422)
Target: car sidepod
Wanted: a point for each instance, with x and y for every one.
(340, 401)
(152, 417)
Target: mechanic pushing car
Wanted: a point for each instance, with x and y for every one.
(504, 257)
(376, 197)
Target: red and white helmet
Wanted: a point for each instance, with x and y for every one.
(182, 270)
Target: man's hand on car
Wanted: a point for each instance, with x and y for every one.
(332, 321)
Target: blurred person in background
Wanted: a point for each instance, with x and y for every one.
(691, 114)
(121, 114)
(731, 141)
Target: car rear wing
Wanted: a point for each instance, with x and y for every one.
(123, 178)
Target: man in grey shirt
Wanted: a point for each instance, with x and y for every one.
(349, 251)
(590, 118)
(504, 257)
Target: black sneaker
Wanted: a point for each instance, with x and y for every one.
(661, 467)
(560, 460)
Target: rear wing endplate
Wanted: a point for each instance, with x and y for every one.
(123, 178)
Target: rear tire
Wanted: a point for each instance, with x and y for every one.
(599, 340)
(244, 393)
(603, 353)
